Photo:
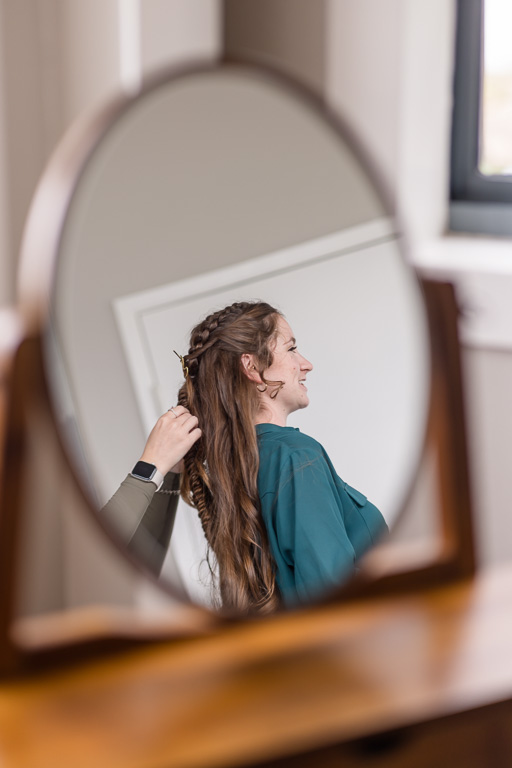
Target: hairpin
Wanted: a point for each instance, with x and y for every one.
(182, 361)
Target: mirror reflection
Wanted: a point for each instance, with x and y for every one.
(225, 187)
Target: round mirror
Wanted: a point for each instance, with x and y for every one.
(221, 185)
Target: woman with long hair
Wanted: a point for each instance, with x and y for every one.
(281, 525)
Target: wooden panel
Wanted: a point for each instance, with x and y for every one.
(408, 667)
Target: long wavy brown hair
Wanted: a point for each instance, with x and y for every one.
(221, 470)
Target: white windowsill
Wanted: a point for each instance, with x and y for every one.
(481, 269)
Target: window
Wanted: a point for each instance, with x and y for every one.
(481, 173)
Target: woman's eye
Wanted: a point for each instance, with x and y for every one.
(292, 349)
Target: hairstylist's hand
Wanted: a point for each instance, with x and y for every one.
(170, 439)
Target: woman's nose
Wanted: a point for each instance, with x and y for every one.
(306, 365)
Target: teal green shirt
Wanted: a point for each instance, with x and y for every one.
(317, 525)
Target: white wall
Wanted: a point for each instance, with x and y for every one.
(389, 67)
(399, 102)
(59, 58)
(388, 72)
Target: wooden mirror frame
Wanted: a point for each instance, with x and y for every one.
(24, 395)
(32, 643)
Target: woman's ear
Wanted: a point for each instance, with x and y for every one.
(249, 368)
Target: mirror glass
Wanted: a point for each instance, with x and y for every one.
(222, 185)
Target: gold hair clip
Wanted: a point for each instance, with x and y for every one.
(182, 361)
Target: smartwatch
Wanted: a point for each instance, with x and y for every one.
(148, 472)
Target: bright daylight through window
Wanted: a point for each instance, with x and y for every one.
(481, 161)
(496, 126)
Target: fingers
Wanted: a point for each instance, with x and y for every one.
(193, 435)
(178, 410)
(183, 415)
(191, 422)
(171, 438)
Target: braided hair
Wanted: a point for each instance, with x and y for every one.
(220, 471)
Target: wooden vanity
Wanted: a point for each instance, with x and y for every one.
(421, 680)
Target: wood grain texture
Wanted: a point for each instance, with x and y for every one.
(284, 686)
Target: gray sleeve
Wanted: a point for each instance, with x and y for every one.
(143, 518)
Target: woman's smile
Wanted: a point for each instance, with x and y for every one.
(289, 369)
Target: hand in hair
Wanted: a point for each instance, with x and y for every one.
(170, 439)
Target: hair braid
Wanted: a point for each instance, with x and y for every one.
(195, 489)
(220, 471)
(201, 337)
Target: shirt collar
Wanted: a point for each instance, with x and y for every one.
(262, 429)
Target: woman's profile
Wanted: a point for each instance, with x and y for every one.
(280, 523)
(281, 526)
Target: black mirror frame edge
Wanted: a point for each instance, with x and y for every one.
(25, 388)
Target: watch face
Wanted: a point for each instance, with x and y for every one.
(143, 470)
